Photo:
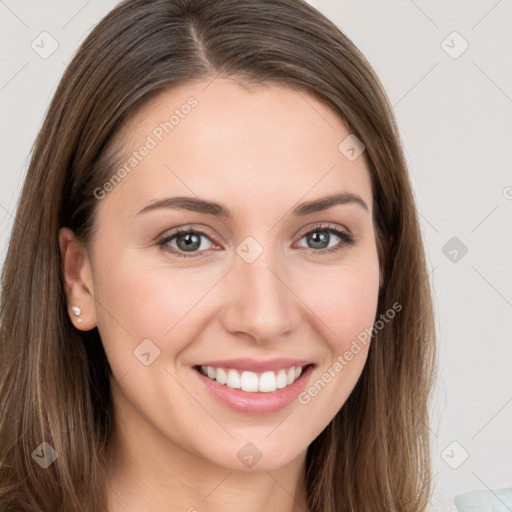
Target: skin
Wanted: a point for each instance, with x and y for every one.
(259, 151)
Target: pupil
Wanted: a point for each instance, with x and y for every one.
(318, 238)
(190, 241)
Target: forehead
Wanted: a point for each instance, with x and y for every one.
(267, 144)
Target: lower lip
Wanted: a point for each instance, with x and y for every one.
(255, 402)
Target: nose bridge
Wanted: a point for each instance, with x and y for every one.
(258, 301)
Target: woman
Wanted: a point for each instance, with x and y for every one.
(215, 294)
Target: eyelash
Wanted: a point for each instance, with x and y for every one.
(346, 238)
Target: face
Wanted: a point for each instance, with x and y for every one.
(247, 278)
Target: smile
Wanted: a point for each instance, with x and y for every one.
(266, 382)
(253, 386)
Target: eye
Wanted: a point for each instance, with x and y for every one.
(192, 243)
(326, 239)
(185, 241)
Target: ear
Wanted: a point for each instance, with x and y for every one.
(77, 274)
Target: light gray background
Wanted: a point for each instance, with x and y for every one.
(455, 117)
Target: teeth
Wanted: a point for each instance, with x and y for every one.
(233, 380)
(221, 376)
(249, 381)
(267, 382)
(252, 382)
(281, 380)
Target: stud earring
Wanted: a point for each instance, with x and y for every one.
(77, 312)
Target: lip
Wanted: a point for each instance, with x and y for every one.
(253, 365)
(255, 403)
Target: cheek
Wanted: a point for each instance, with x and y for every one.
(345, 298)
(136, 302)
(346, 302)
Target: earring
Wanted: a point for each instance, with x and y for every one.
(77, 312)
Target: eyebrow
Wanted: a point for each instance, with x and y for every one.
(195, 204)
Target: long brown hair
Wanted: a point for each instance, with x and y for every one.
(55, 380)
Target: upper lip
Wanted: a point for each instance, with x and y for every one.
(255, 365)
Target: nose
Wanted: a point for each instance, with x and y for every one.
(259, 300)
